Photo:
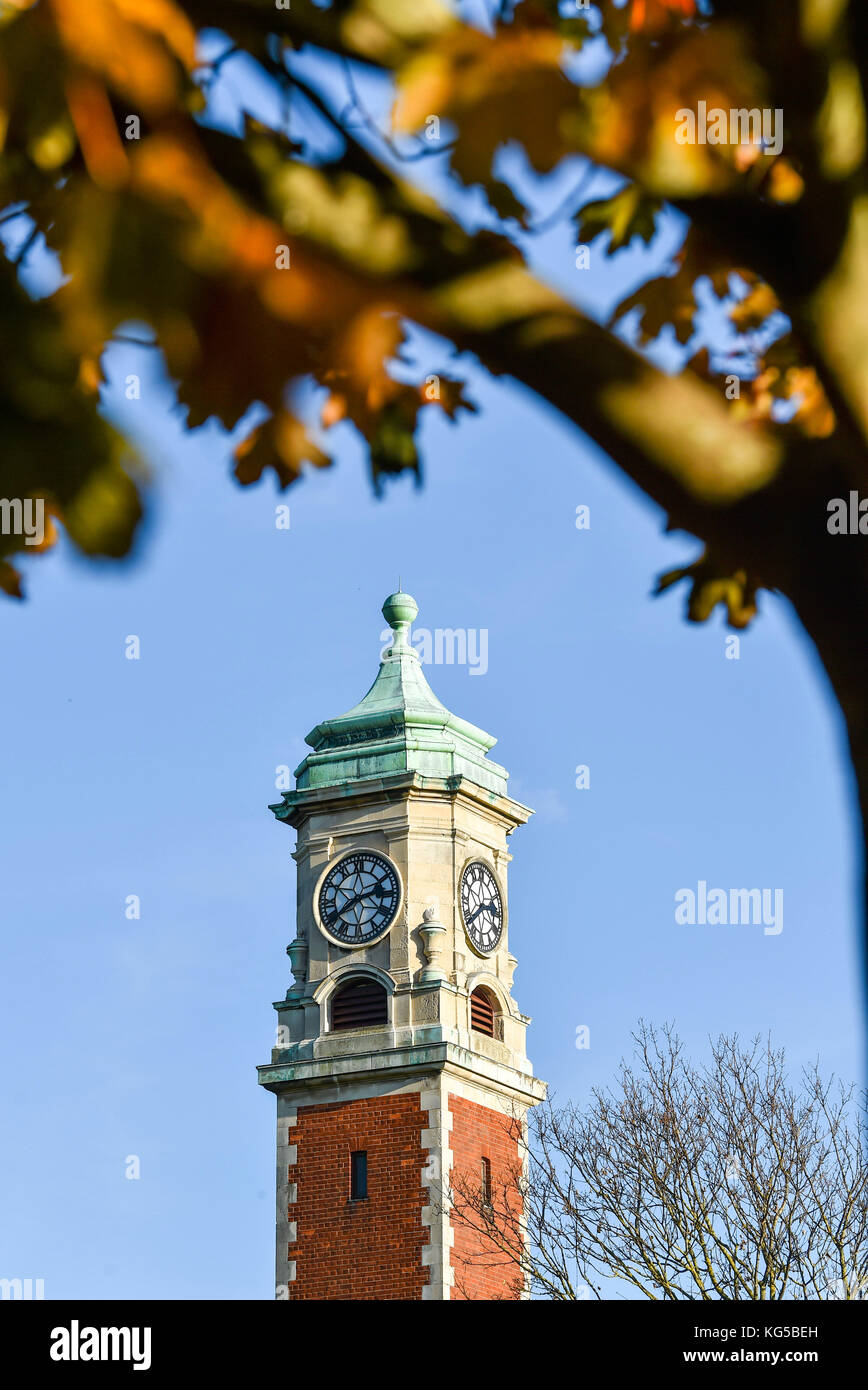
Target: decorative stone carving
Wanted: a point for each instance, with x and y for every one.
(297, 952)
(433, 934)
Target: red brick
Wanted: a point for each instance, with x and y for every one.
(481, 1270)
(359, 1250)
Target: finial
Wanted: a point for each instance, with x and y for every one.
(399, 610)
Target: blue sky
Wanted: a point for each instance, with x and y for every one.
(152, 777)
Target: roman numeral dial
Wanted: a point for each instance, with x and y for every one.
(481, 907)
(359, 898)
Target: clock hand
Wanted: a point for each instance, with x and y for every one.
(360, 897)
(483, 907)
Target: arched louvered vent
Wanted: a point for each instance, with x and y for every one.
(482, 1012)
(360, 1004)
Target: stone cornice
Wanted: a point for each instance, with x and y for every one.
(402, 1062)
(298, 805)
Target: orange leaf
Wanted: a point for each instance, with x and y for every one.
(283, 444)
(652, 15)
(139, 47)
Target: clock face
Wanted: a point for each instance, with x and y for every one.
(481, 907)
(359, 898)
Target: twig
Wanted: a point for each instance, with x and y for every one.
(13, 213)
(212, 69)
(422, 152)
(136, 342)
(27, 246)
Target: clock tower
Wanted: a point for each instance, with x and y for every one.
(400, 1068)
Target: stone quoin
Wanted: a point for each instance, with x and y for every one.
(400, 1069)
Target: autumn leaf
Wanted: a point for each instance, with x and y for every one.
(141, 48)
(448, 394)
(625, 215)
(282, 444)
(753, 310)
(665, 300)
(653, 15)
(183, 229)
(712, 583)
(56, 448)
(509, 86)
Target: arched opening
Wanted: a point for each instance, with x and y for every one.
(483, 1013)
(361, 1003)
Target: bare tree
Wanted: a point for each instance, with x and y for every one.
(683, 1182)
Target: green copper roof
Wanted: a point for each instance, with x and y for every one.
(399, 726)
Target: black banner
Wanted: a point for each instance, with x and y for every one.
(79, 1337)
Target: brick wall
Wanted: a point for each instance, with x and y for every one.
(481, 1270)
(366, 1249)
